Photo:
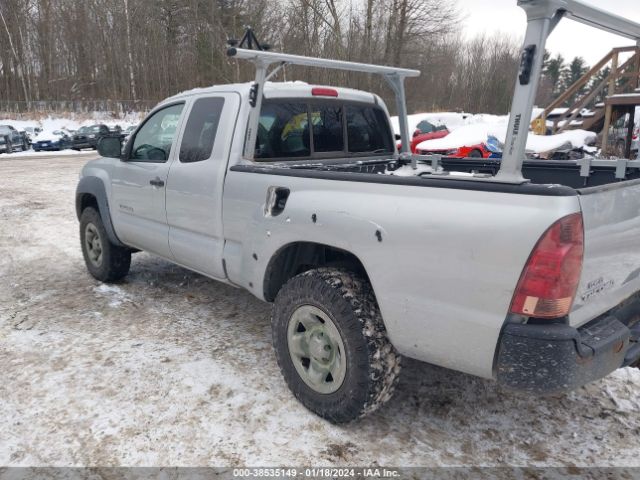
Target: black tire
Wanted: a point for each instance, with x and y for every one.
(114, 262)
(475, 154)
(372, 363)
(9, 147)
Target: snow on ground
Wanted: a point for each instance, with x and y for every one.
(32, 153)
(171, 368)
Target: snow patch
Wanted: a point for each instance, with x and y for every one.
(114, 293)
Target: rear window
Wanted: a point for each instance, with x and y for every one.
(328, 134)
(368, 130)
(299, 129)
(283, 131)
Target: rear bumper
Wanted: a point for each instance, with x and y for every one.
(557, 358)
(47, 148)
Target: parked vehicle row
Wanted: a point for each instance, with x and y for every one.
(62, 139)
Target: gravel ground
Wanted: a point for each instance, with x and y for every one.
(170, 368)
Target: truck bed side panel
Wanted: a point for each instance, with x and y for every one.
(444, 264)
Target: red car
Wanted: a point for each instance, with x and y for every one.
(419, 137)
(425, 131)
(474, 151)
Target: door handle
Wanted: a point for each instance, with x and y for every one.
(157, 182)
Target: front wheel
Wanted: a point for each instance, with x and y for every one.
(105, 261)
(331, 344)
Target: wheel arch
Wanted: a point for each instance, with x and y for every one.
(298, 257)
(91, 192)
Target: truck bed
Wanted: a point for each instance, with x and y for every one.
(547, 177)
(611, 269)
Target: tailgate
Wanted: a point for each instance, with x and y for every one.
(611, 269)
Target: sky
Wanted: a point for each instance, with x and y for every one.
(569, 38)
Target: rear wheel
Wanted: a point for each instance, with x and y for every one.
(105, 261)
(331, 344)
(475, 154)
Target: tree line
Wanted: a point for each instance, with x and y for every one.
(140, 51)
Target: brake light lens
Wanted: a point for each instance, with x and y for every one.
(324, 92)
(549, 281)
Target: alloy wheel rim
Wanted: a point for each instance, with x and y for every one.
(316, 349)
(93, 244)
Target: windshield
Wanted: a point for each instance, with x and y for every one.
(4, 129)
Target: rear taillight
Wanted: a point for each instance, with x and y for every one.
(550, 279)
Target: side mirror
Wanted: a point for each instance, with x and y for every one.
(110, 147)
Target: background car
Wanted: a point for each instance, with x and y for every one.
(52, 141)
(5, 144)
(424, 131)
(88, 137)
(618, 136)
(14, 140)
(480, 150)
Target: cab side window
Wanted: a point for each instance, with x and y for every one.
(153, 141)
(200, 132)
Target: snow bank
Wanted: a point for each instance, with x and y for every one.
(451, 120)
(50, 124)
(475, 134)
(454, 120)
(54, 153)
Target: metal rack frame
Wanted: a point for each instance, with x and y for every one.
(263, 60)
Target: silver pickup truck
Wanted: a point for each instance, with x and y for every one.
(526, 272)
